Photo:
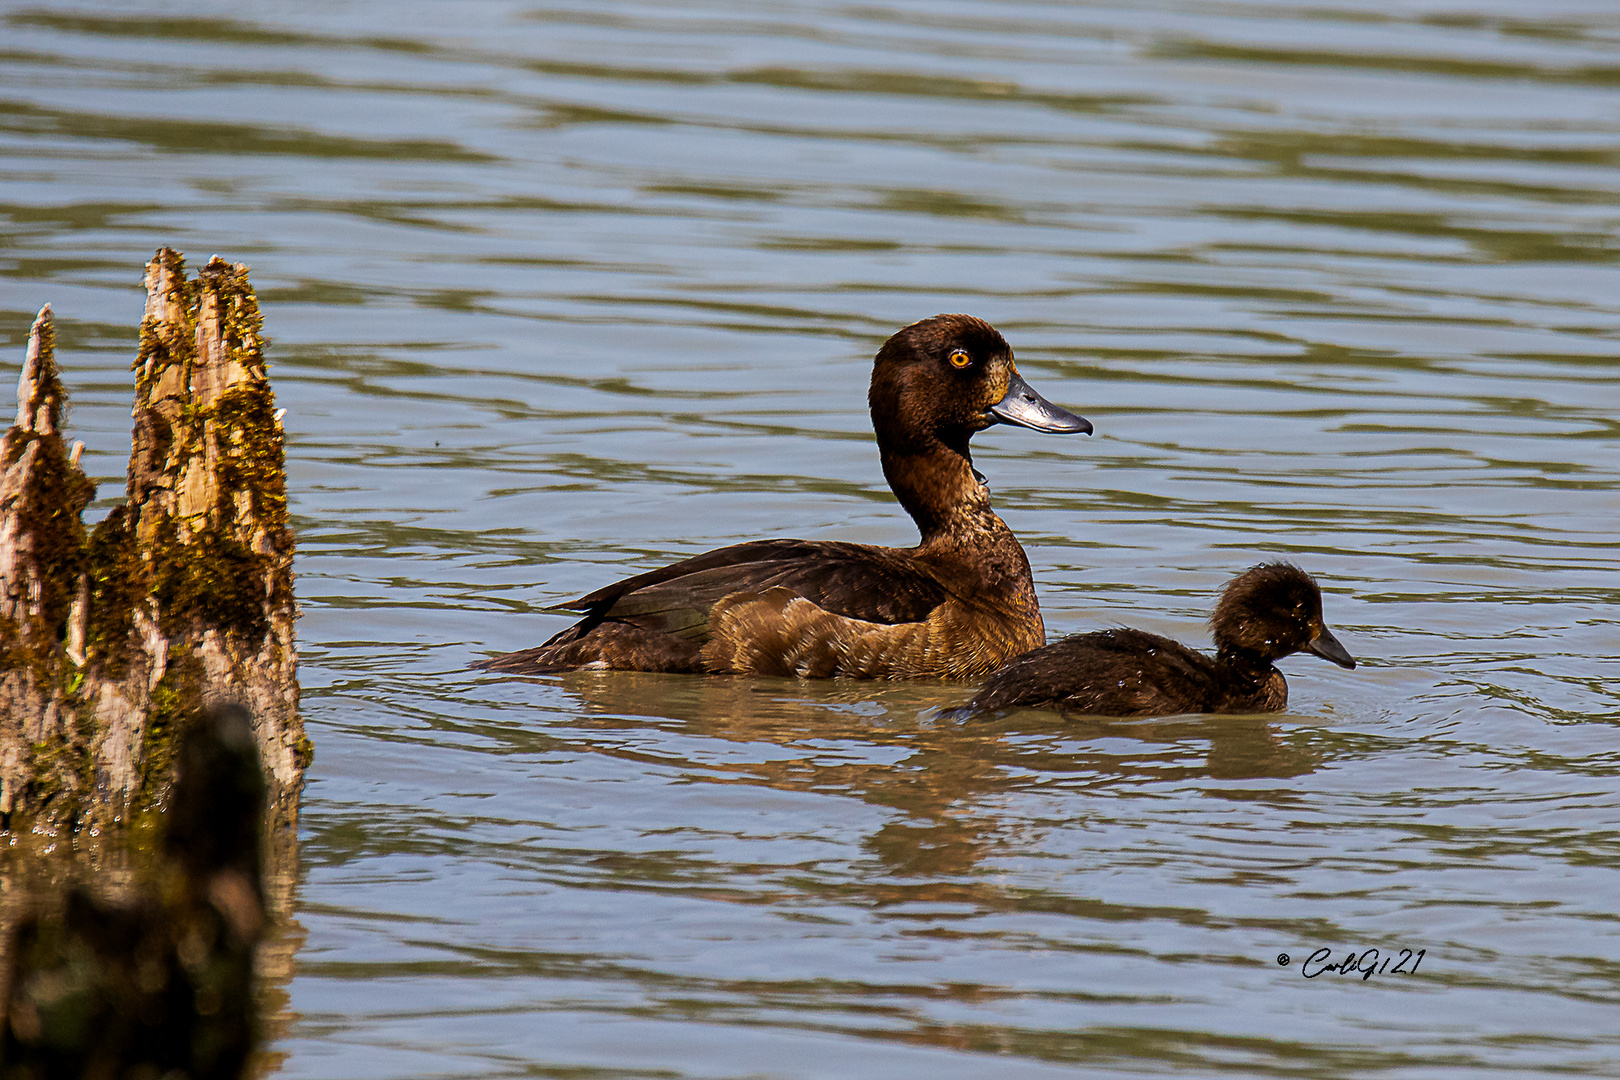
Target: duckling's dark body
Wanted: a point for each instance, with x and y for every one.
(1125, 672)
(956, 606)
(1264, 614)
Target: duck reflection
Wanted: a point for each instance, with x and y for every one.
(886, 746)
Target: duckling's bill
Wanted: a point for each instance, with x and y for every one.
(1021, 405)
(1327, 647)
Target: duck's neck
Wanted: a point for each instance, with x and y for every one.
(935, 483)
(1250, 668)
(967, 547)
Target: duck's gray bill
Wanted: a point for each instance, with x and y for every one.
(1328, 648)
(1024, 407)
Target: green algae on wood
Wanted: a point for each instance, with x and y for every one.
(112, 642)
(43, 493)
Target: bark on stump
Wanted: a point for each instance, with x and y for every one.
(112, 642)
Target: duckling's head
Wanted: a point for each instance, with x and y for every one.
(942, 379)
(1271, 611)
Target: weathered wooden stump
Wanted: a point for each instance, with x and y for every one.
(119, 647)
(181, 598)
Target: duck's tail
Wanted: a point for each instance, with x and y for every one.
(608, 645)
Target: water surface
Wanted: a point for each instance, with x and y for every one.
(558, 293)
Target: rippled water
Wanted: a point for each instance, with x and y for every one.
(557, 293)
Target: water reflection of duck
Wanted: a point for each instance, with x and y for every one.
(946, 796)
(956, 606)
(1268, 612)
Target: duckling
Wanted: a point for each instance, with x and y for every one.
(1265, 613)
(958, 605)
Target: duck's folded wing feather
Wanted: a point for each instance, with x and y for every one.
(858, 582)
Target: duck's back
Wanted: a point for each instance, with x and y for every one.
(885, 585)
(789, 607)
(1120, 672)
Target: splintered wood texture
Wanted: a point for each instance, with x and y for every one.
(181, 598)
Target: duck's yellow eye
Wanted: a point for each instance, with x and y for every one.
(960, 358)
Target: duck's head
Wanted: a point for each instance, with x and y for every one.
(942, 379)
(1271, 611)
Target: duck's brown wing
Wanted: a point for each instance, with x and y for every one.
(880, 585)
(660, 620)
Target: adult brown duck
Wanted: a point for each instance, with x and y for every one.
(1265, 613)
(958, 605)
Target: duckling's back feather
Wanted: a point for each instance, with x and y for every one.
(1117, 672)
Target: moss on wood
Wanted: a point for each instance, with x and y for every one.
(181, 597)
(118, 580)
